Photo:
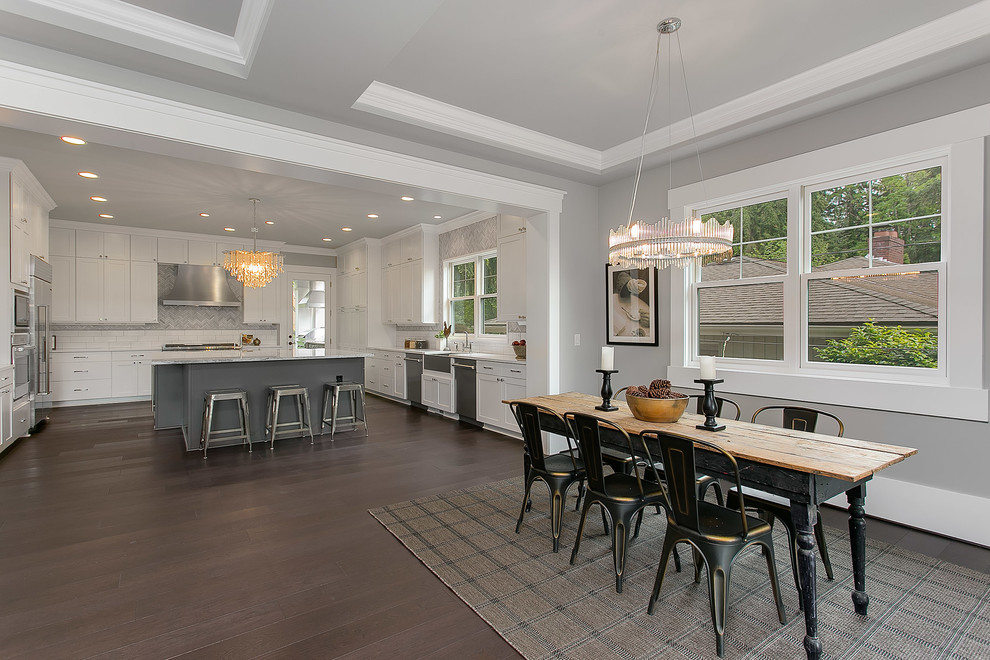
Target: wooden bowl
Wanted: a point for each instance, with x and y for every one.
(656, 410)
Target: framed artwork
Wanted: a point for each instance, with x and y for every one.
(631, 307)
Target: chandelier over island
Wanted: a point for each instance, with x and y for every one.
(254, 269)
(667, 243)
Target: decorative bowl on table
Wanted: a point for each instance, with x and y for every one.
(520, 352)
(656, 403)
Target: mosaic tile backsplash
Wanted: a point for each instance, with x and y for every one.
(176, 325)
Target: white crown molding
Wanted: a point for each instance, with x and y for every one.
(134, 26)
(903, 49)
(39, 92)
(394, 103)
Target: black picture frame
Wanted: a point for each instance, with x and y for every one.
(631, 316)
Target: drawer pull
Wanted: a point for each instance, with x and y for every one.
(81, 389)
(80, 357)
(80, 371)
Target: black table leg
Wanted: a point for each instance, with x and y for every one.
(857, 540)
(804, 517)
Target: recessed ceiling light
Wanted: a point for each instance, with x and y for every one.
(204, 215)
(72, 140)
(406, 198)
(372, 215)
(327, 239)
(89, 175)
(106, 215)
(269, 222)
(229, 229)
(346, 229)
(97, 198)
(438, 217)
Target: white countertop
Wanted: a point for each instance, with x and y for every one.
(268, 356)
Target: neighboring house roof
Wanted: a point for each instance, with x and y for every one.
(908, 299)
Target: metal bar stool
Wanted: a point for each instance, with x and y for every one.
(211, 398)
(301, 425)
(331, 397)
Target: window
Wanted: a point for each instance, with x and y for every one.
(868, 274)
(472, 300)
(884, 264)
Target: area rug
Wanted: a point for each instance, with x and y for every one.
(920, 607)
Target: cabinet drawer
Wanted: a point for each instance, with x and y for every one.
(77, 357)
(503, 369)
(79, 371)
(138, 355)
(80, 390)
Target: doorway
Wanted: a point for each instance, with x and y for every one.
(310, 325)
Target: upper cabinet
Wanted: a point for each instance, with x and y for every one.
(203, 253)
(263, 305)
(144, 248)
(27, 213)
(173, 251)
(103, 245)
(512, 268)
(411, 277)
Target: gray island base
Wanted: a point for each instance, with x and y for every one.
(180, 386)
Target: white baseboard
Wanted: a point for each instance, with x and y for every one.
(934, 510)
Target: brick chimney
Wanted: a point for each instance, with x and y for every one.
(888, 246)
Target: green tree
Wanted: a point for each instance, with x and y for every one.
(877, 344)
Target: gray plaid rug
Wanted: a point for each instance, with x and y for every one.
(919, 607)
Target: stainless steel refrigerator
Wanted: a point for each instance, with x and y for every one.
(41, 338)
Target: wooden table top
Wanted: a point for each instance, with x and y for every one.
(814, 453)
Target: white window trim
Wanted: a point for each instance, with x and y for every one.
(448, 290)
(958, 392)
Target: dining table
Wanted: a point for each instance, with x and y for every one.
(806, 468)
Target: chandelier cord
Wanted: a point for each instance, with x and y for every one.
(694, 130)
(646, 126)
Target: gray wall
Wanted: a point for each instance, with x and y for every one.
(951, 453)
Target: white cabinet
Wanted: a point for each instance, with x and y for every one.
(81, 375)
(411, 278)
(63, 288)
(144, 248)
(144, 292)
(103, 290)
(510, 225)
(103, 245)
(372, 374)
(385, 373)
(26, 209)
(20, 418)
(498, 381)
(438, 391)
(173, 251)
(20, 252)
(262, 305)
(512, 278)
(399, 374)
(62, 242)
(6, 407)
(352, 328)
(203, 253)
(131, 373)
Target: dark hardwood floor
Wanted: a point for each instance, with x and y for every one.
(116, 543)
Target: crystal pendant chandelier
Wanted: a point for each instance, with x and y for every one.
(667, 243)
(254, 269)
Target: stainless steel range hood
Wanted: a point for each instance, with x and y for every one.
(201, 286)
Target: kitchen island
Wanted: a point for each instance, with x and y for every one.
(181, 383)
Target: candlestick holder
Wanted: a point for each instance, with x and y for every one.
(709, 406)
(607, 390)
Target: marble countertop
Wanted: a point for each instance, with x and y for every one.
(490, 357)
(267, 356)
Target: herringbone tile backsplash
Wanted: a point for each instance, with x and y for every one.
(176, 324)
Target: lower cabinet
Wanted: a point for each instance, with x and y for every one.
(6, 407)
(498, 381)
(385, 373)
(438, 391)
(131, 373)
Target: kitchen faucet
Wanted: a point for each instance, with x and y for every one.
(467, 342)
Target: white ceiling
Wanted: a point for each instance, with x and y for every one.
(556, 86)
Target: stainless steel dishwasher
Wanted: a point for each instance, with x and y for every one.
(465, 388)
(414, 383)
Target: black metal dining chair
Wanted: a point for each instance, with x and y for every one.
(717, 534)
(621, 496)
(557, 471)
(772, 507)
(720, 403)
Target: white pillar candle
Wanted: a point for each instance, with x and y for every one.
(608, 357)
(707, 367)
